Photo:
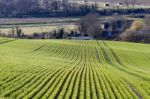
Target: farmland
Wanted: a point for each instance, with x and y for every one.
(39, 28)
(71, 69)
(37, 25)
(41, 25)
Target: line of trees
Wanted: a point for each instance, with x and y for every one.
(55, 8)
(16, 32)
(42, 8)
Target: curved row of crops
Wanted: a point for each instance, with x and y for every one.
(70, 69)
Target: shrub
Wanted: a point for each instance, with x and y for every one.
(127, 35)
(142, 35)
(137, 25)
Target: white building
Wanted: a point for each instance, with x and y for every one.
(77, 1)
(119, 3)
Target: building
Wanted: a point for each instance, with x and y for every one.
(77, 1)
(106, 5)
(115, 27)
(120, 4)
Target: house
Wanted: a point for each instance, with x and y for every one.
(77, 1)
(114, 27)
(120, 4)
(106, 5)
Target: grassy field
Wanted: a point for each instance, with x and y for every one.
(71, 69)
(37, 25)
(39, 28)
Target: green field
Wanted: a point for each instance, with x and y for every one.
(71, 69)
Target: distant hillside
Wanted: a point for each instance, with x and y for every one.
(144, 2)
(55, 8)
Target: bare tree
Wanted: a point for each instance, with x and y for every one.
(129, 3)
(133, 3)
(47, 4)
(18, 31)
(13, 31)
(90, 25)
